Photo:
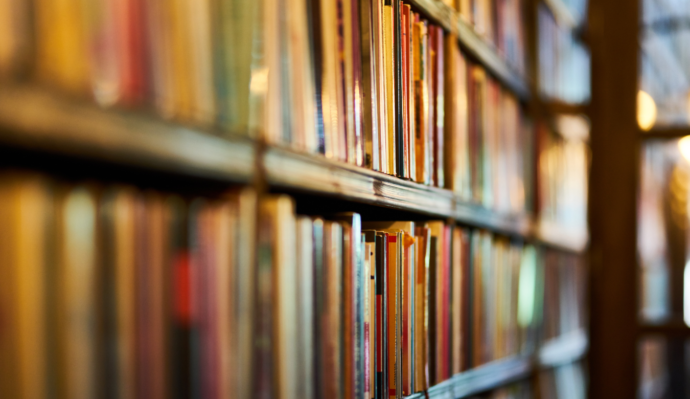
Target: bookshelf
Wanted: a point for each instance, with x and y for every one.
(232, 159)
(482, 379)
(36, 119)
(40, 121)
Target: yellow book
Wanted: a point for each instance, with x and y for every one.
(389, 52)
(329, 79)
(62, 56)
(25, 201)
(180, 44)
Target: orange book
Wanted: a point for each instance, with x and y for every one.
(25, 206)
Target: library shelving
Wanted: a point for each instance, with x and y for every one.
(482, 379)
(39, 121)
(36, 119)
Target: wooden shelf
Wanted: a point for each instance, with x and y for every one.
(42, 121)
(481, 379)
(285, 168)
(670, 132)
(317, 174)
(478, 216)
(671, 328)
(474, 44)
(39, 120)
(566, 349)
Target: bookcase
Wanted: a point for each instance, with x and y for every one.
(69, 139)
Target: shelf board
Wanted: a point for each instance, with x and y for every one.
(481, 379)
(559, 237)
(672, 328)
(670, 132)
(39, 120)
(478, 216)
(565, 349)
(316, 174)
(474, 44)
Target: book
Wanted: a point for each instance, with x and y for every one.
(305, 266)
(352, 286)
(26, 204)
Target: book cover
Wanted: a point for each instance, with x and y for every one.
(439, 100)
(333, 335)
(305, 288)
(404, 84)
(382, 379)
(398, 74)
(370, 313)
(371, 101)
(25, 262)
(319, 307)
(390, 88)
(352, 317)
(244, 291)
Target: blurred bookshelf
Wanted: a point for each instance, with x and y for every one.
(498, 215)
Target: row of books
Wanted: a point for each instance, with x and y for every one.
(115, 292)
(563, 169)
(564, 294)
(372, 83)
(567, 381)
(501, 23)
(564, 62)
(148, 294)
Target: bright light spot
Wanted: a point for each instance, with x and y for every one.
(684, 147)
(527, 289)
(646, 110)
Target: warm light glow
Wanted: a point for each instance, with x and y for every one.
(684, 147)
(646, 110)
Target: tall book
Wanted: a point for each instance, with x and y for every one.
(24, 210)
(352, 304)
(332, 338)
(278, 215)
(305, 306)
